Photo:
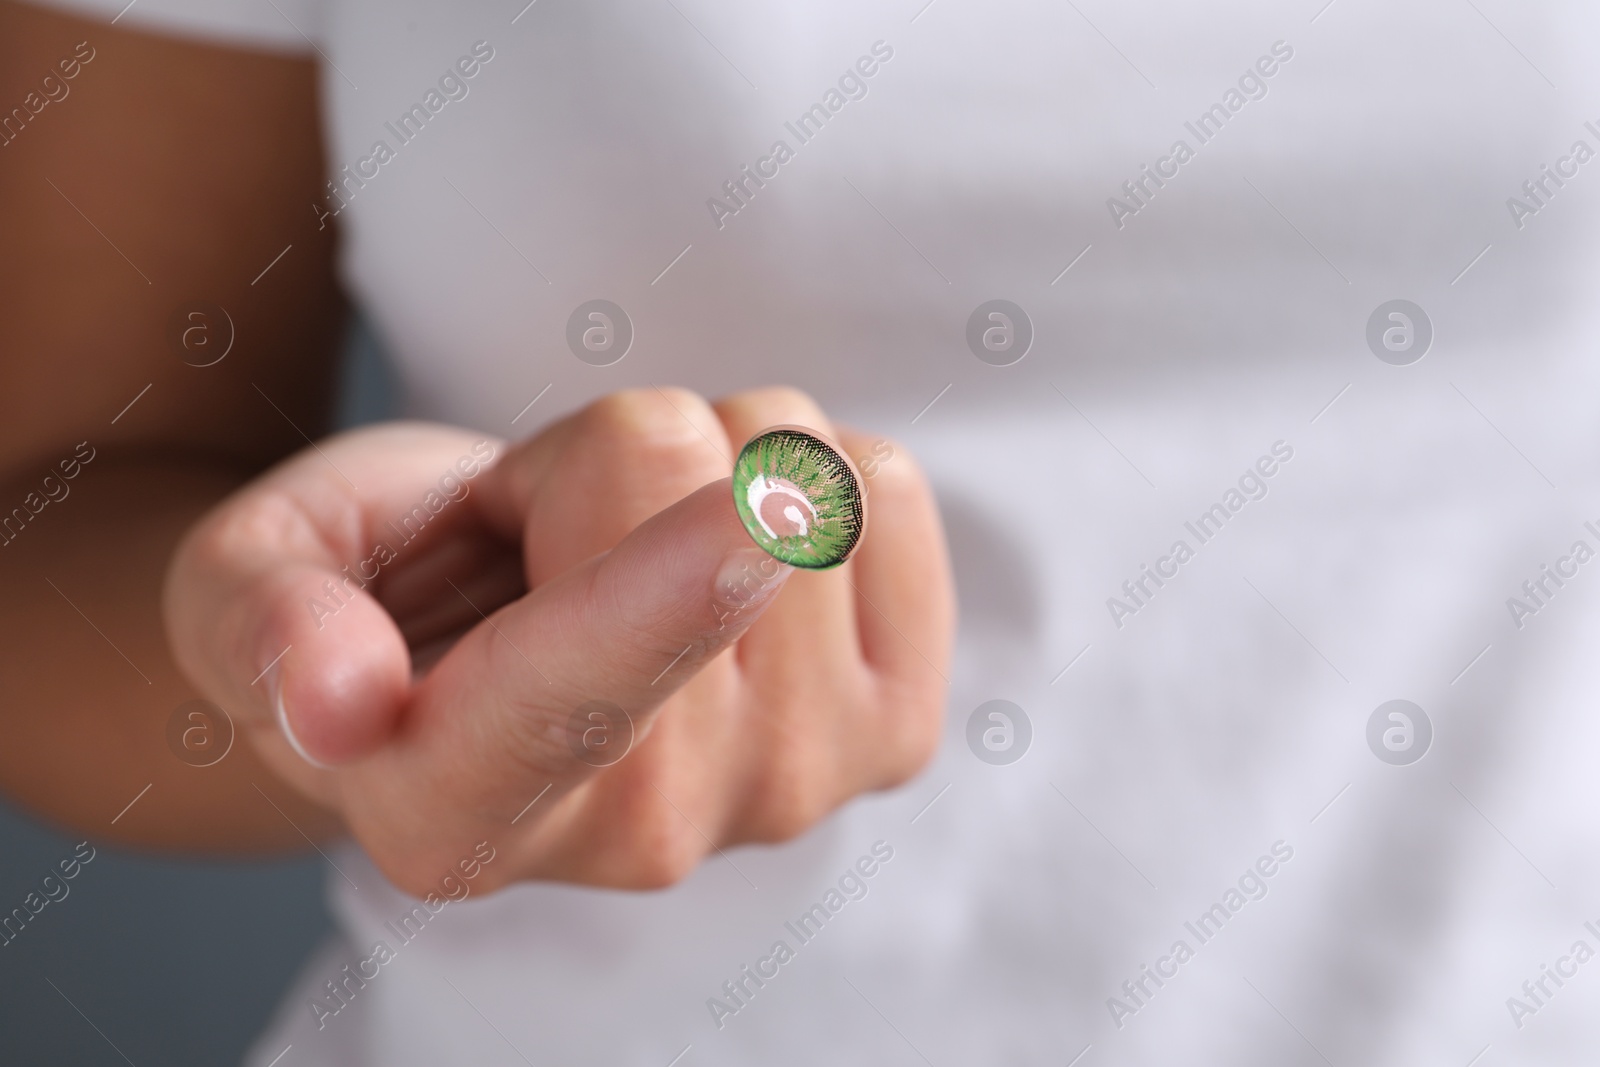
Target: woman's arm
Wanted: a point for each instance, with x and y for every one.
(161, 173)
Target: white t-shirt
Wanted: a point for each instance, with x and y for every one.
(1200, 217)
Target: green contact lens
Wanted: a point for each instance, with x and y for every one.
(799, 497)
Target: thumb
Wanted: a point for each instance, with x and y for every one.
(567, 678)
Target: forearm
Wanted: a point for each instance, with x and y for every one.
(87, 683)
(174, 173)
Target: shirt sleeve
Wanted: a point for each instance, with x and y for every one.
(293, 26)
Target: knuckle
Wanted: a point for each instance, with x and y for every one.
(234, 532)
(779, 397)
(404, 868)
(790, 802)
(661, 868)
(773, 405)
(778, 826)
(911, 755)
(663, 441)
(660, 847)
(894, 466)
(915, 725)
(664, 859)
(665, 417)
(531, 738)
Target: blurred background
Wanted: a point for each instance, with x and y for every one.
(204, 949)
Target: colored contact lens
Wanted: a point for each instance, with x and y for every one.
(799, 498)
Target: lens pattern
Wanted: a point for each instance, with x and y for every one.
(799, 498)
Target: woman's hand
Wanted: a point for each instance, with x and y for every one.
(590, 583)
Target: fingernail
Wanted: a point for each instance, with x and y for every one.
(749, 576)
(280, 712)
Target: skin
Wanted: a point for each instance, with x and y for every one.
(433, 705)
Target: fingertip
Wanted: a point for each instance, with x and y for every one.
(340, 683)
(280, 715)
